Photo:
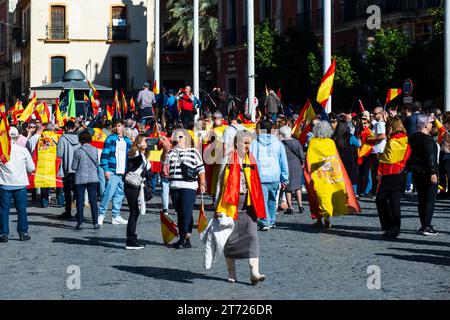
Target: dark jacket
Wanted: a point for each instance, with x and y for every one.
(135, 163)
(272, 103)
(424, 152)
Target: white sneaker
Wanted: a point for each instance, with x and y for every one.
(119, 220)
(101, 217)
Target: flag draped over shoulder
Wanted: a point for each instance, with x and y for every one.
(326, 86)
(46, 162)
(330, 191)
(392, 94)
(442, 131)
(395, 155)
(5, 140)
(229, 198)
(168, 228)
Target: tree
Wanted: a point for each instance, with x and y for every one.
(182, 30)
(384, 59)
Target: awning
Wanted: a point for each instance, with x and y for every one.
(53, 91)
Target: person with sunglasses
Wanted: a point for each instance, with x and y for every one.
(184, 167)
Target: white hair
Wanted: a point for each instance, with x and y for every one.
(286, 132)
(323, 130)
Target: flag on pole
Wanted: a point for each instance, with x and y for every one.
(441, 130)
(124, 104)
(72, 107)
(116, 105)
(168, 228)
(59, 120)
(326, 85)
(16, 111)
(94, 106)
(392, 94)
(202, 221)
(28, 110)
(94, 90)
(155, 88)
(361, 107)
(42, 112)
(307, 114)
(132, 105)
(5, 139)
(109, 112)
(2, 109)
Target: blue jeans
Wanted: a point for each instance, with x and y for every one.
(270, 200)
(114, 192)
(102, 183)
(369, 184)
(273, 117)
(20, 203)
(92, 194)
(165, 193)
(183, 201)
(409, 181)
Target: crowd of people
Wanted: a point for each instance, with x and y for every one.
(249, 161)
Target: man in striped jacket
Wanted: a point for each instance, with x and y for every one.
(113, 161)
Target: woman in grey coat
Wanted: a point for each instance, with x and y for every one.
(296, 160)
(85, 164)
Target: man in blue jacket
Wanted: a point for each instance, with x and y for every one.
(273, 169)
(113, 161)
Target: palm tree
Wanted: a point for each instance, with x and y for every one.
(181, 13)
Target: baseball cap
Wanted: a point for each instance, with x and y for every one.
(13, 132)
(366, 115)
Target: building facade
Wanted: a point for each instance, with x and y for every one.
(349, 28)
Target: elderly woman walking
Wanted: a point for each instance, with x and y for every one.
(241, 197)
(184, 166)
(330, 191)
(296, 160)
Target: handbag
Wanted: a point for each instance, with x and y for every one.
(189, 174)
(133, 179)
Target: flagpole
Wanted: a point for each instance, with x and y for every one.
(327, 42)
(447, 56)
(157, 44)
(251, 58)
(196, 43)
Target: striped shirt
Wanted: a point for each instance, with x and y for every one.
(190, 157)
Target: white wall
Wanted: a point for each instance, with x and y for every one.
(88, 20)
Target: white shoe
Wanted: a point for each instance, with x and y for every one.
(101, 217)
(119, 220)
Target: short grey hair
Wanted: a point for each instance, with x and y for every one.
(323, 130)
(422, 121)
(286, 132)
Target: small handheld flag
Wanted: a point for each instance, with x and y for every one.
(168, 228)
(392, 94)
(202, 221)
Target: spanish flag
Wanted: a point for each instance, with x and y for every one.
(28, 110)
(116, 106)
(155, 88)
(230, 191)
(326, 86)
(330, 191)
(306, 114)
(124, 104)
(5, 139)
(16, 111)
(442, 131)
(94, 90)
(395, 155)
(155, 160)
(98, 139)
(59, 119)
(109, 112)
(46, 162)
(94, 106)
(42, 112)
(202, 221)
(366, 148)
(132, 105)
(2, 109)
(392, 94)
(168, 228)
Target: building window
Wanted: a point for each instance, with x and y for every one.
(57, 29)
(119, 29)
(58, 68)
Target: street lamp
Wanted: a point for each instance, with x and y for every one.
(196, 76)
(327, 41)
(251, 58)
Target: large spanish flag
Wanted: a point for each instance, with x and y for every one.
(46, 162)
(168, 228)
(98, 139)
(330, 191)
(229, 199)
(5, 139)
(392, 94)
(442, 131)
(26, 114)
(326, 86)
(395, 155)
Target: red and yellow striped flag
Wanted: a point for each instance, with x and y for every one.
(395, 155)
(5, 139)
(326, 86)
(124, 105)
(109, 112)
(2, 109)
(59, 120)
(28, 110)
(168, 228)
(132, 105)
(16, 111)
(42, 112)
(202, 221)
(392, 94)
(98, 139)
(441, 130)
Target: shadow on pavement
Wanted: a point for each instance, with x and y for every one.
(159, 273)
(435, 257)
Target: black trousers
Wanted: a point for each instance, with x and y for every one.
(132, 195)
(426, 194)
(186, 117)
(388, 201)
(69, 187)
(80, 190)
(183, 201)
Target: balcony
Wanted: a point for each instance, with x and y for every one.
(230, 37)
(304, 21)
(118, 33)
(57, 33)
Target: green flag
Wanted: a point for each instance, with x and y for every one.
(72, 107)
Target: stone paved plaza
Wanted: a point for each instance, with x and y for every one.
(300, 262)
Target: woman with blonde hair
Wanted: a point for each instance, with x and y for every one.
(391, 175)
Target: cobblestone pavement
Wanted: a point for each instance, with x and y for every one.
(300, 262)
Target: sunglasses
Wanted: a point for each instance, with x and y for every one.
(180, 137)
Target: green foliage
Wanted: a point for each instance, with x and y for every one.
(265, 46)
(181, 14)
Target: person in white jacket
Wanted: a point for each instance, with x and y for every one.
(13, 185)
